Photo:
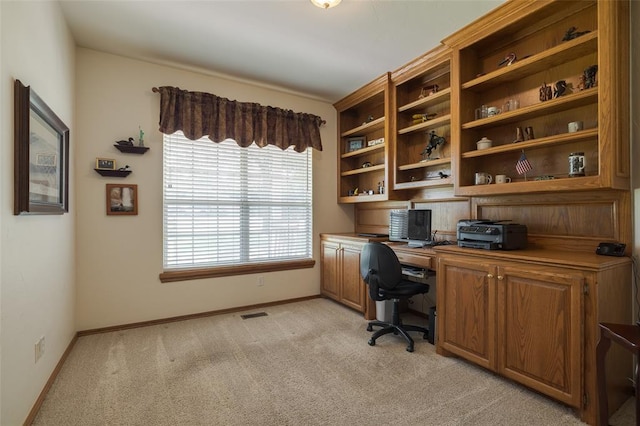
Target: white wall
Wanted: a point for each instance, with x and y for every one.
(119, 258)
(37, 267)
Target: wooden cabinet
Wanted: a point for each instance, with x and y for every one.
(532, 315)
(340, 276)
(422, 107)
(517, 76)
(559, 76)
(466, 301)
(539, 332)
(364, 144)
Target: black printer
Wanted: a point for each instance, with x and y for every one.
(491, 235)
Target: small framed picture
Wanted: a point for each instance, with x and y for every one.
(122, 199)
(105, 164)
(354, 144)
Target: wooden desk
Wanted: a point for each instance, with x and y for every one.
(420, 257)
(340, 278)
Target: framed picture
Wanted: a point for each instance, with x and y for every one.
(41, 156)
(122, 199)
(105, 164)
(354, 144)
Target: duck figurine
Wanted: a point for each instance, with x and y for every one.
(125, 143)
(508, 60)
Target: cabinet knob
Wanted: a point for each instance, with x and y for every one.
(500, 277)
(489, 275)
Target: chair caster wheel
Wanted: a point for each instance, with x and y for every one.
(369, 327)
(371, 342)
(409, 348)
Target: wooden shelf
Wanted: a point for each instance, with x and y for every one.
(363, 151)
(363, 170)
(365, 128)
(534, 143)
(573, 100)
(132, 149)
(113, 173)
(531, 185)
(416, 184)
(557, 55)
(427, 125)
(363, 198)
(425, 164)
(363, 114)
(438, 97)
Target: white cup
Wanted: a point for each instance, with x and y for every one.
(491, 111)
(503, 179)
(483, 178)
(575, 126)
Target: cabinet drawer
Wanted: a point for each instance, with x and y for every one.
(421, 261)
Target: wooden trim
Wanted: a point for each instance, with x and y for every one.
(378, 85)
(436, 58)
(227, 271)
(191, 316)
(36, 406)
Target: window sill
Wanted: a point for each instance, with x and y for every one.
(227, 271)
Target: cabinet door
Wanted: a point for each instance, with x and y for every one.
(466, 309)
(353, 288)
(330, 269)
(540, 336)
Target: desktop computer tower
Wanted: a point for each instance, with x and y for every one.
(398, 225)
(433, 323)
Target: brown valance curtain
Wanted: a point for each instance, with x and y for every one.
(200, 114)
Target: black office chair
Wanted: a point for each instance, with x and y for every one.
(382, 272)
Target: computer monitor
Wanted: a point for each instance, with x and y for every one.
(419, 227)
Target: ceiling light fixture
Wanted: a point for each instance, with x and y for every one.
(326, 4)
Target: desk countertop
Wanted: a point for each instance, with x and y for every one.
(572, 259)
(423, 256)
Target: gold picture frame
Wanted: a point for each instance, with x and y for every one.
(105, 164)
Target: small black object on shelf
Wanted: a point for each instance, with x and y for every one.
(125, 143)
(132, 149)
(113, 173)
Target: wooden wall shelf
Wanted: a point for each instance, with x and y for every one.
(113, 173)
(132, 149)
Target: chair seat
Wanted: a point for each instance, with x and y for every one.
(403, 290)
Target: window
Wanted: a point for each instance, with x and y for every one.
(225, 205)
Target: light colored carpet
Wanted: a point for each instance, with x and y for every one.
(306, 363)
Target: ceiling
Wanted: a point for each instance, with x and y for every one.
(288, 44)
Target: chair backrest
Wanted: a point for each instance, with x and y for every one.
(379, 267)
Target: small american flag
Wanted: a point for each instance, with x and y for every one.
(523, 165)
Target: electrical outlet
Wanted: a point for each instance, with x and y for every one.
(260, 281)
(39, 348)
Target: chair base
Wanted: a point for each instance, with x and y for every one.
(397, 329)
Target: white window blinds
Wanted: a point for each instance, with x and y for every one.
(227, 205)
